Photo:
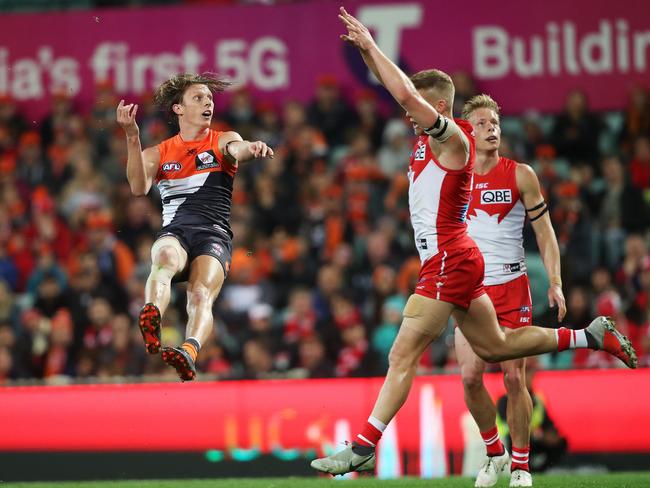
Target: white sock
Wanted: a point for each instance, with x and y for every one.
(376, 423)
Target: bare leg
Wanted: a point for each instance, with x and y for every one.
(167, 258)
(424, 320)
(479, 325)
(520, 405)
(206, 279)
(478, 400)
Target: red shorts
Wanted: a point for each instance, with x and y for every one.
(453, 276)
(512, 302)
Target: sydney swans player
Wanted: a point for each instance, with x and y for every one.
(194, 171)
(451, 273)
(503, 192)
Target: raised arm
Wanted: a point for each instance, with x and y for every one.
(233, 147)
(394, 80)
(533, 200)
(141, 166)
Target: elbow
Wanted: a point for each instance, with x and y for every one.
(138, 190)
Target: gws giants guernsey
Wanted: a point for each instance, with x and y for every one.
(496, 221)
(439, 199)
(195, 182)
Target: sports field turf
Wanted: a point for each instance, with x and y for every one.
(623, 480)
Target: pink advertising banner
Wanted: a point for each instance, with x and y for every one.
(528, 55)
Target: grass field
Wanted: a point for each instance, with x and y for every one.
(622, 480)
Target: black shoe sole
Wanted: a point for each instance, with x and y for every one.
(180, 363)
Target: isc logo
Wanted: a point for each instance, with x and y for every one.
(496, 196)
(172, 166)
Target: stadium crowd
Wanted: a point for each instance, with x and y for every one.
(323, 258)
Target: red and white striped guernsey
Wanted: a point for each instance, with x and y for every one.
(439, 199)
(496, 220)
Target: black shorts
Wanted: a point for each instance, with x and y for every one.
(198, 241)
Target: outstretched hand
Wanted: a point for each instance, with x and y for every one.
(259, 149)
(358, 34)
(126, 118)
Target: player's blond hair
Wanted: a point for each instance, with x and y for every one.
(171, 91)
(480, 101)
(436, 80)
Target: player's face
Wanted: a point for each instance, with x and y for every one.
(198, 106)
(487, 130)
(434, 100)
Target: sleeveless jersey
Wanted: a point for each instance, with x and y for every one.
(439, 198)
(496, 221)
(195, 182)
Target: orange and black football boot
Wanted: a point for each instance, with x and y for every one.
(181, 361)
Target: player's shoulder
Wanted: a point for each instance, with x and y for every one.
(525, 175)
(465, 126)
(170, 142)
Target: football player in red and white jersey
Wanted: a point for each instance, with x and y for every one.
(451, 273)
(503, 192)
(194, 172)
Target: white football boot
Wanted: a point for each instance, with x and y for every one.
(519, 477)
(491, 468)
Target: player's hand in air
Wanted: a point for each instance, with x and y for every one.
(259, 149)
(358, 34)
(556, 297)
(126, 118)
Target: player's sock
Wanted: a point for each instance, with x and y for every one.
(369, 436)
(493, 442)
(574, 339)
(192, 346)
(520, 458)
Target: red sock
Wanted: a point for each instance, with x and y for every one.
(520, 458)
(493, 443)
(370, 434)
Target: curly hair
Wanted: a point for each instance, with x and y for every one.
(171, 91)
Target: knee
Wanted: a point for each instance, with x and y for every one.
(167, 257)
(400, 359)
(514, 379)
(472, 378)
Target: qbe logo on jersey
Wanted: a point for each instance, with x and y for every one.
(420, 154)
(206, 160)
(489, 197)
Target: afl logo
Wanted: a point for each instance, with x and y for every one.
(171, 166)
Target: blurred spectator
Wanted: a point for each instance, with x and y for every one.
(637, 117)
(640, 165)
(622, 210)
(576, 130)
(313, 358)
(329, 112)
(393, 156)
(323, 256)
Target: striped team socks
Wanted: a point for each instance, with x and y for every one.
(520, 458)
(573, 339)
(493, 443)
(370, 435)
(192, 346)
